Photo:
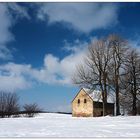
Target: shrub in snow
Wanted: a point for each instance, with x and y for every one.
(31, 110)
(8, 104)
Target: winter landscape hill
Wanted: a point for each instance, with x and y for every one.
(64, 125)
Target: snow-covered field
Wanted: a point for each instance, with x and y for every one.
(60, 125)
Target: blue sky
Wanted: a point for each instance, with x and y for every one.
(41, 44)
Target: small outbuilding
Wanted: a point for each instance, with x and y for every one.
(88, 103)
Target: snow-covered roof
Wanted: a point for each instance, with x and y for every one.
(97, 96)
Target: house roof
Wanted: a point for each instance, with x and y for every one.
(97, 96)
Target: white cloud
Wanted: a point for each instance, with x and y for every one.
(12, 83)
(13, 77)
(54, 71)
(5, 53)
(6, 22)
(20, 11)
(61, 71)
(5, 34)
(83, 17)
(135, 43)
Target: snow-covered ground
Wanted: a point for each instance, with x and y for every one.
(60, 125)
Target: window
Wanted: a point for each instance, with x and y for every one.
(78, 101)
(85, 100)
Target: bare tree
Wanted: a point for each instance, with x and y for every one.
(138, 107)
(2, 105)
(94, 72)
(31, 109)
(8, 104)
(119, 48)
(110, 63)
(12, 105)
(132, 79)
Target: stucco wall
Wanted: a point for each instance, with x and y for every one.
(82, 109)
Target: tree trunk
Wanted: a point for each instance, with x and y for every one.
(134, 95)
(104, 105)
(134, 105)
(104, 94)
(117, 97)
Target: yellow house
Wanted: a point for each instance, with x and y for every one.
(88, 103)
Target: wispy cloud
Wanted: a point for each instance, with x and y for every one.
(54, 70)
(18, 10)
(6, 22)
(83, 17)
(61, 71)
(12, 77)
(5, 35)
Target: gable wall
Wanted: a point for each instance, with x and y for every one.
(82, 109)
